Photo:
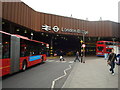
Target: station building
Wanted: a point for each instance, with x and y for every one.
(61, 32)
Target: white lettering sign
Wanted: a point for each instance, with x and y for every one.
(46, 27)
(72, 30)
(56, 29)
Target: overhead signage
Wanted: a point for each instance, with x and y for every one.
(72, 30)
(48, 28)
(56, 29)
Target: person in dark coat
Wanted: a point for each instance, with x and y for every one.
(112, 57)
(77, 57)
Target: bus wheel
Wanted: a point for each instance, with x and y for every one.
(24, 65)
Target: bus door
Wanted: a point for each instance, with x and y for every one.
(14, 54)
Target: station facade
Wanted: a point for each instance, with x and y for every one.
(59, 31)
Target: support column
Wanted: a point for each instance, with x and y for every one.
(12, 29)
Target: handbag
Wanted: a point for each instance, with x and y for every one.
(109, 62)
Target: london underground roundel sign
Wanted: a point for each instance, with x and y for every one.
(55, 28)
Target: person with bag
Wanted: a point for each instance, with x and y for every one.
(111, 61)
(77, 57)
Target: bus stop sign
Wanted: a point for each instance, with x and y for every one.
(83, 45)
(47, 45)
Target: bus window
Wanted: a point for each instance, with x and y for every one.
(109, 43)
(100, 43)
(100, 48)
(108, 50)
(29, 48)
(22, 50)
(6, 46)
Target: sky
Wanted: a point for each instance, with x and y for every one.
(80, 9)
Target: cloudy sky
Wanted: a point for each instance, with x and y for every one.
(81, 9)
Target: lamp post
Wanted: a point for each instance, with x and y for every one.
(83, 45)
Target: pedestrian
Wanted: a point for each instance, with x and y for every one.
(111, 61)
(77, 57)
(61, 56)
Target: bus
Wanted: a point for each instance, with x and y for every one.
(103, 47)
(19, 52)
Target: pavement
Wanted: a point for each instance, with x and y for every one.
(92, 74)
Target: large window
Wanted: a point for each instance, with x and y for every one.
(28, 48)
(5, 46)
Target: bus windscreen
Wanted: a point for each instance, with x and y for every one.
(100, 48)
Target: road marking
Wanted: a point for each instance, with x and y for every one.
(60, 61)
(50, 60)
(71, 61)
(57, 61)
(53, 82)
(63, 61)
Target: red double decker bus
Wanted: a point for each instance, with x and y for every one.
(103, 47)
(18, 53)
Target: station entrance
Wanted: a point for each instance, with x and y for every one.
(69, 44)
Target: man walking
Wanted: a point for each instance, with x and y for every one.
(77, 57)
(111, 61)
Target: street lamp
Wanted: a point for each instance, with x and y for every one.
(31, 35)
